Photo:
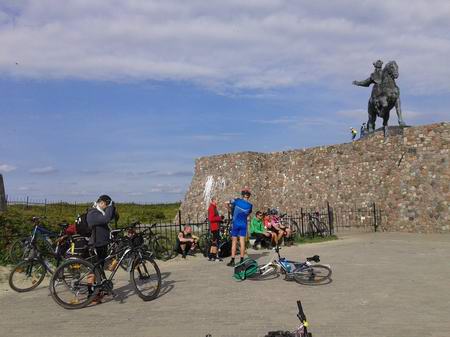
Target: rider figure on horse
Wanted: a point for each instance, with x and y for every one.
(375, 79)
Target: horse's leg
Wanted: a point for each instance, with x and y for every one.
(372, 117)
(398, 108)
(385, 123)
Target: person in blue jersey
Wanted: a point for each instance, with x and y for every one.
(240, 210)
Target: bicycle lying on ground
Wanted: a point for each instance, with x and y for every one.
(31, 271)
(300, 331)
(77, 282)
(308, 272)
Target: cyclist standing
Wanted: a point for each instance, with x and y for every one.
(214, 226)
(240, 209)
(98, 218)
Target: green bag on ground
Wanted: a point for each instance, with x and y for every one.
(244, 269)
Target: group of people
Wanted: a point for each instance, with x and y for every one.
(265, 229)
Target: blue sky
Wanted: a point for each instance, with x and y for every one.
(120, 97)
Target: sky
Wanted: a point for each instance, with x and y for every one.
(121, 96)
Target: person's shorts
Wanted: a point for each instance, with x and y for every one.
(237, 230)
(273, 229)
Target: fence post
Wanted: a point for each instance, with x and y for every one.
(330, 218)
(179, 219)
(26, 207)
(301, 217)
(45, 207)
(375, 225)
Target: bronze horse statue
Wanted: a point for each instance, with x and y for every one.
(385, 95)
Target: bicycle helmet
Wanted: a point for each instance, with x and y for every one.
(106, 198)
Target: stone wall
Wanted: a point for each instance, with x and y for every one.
(2, 195)
(407, 175)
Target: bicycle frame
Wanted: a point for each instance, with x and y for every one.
(277, 264)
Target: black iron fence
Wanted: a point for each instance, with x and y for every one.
(327, 220)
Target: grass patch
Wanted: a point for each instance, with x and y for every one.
(315, 239)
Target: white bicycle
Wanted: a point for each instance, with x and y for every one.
(308, 272)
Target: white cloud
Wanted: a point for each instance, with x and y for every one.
(227, 45)
(5, 168)
(43, 170)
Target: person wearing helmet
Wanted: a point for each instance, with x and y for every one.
(240, 210)
(103, 211)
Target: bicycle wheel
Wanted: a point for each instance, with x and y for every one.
(27, 275)
(316, 274)
(146, 278)
(163, 248)
(266, 272)
(18, 250)
(203, 243)
(72, 285)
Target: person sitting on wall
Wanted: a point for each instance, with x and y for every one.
(186, 241)
(268, 227)
(287, 231)
(258, 232)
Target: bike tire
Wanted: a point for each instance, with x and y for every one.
(163, 248)
(17, 250)
(315, 274)
(34, 271)
(71, 277)
(143, 270)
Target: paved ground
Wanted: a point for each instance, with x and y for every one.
(384, 284)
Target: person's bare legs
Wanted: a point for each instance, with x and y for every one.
(242, 242)
(280, 235)
(233, 246)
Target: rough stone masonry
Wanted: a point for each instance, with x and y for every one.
(406, 174)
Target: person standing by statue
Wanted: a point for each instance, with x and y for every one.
(375, 79)
(362, 132)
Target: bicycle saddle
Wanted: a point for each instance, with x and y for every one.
(314, 258)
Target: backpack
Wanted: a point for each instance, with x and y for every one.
(82, 225)
(246, 268)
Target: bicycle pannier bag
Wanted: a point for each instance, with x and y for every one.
(246, 268)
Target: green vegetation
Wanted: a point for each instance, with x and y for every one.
(16, 221)
(315, 239)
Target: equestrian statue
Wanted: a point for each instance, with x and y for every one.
(385, 95)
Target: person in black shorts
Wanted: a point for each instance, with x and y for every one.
(185, 241)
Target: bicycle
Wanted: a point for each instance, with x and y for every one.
(307, 273)
(30, 272)
(317, 225)
(160, 245)
(300, 331)
(77, 282)
(19, 248)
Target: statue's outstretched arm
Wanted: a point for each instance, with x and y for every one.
(364, 83)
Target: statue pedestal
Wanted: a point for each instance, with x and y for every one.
(394, 130)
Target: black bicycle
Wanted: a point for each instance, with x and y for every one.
(19, 249)
(31, 271)
(316, 225)
(300, 331)
(77, 282)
